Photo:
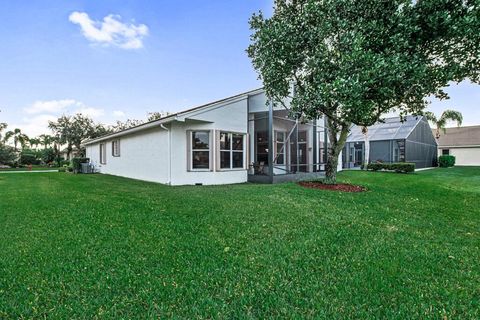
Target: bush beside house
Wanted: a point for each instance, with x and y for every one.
(446, 161)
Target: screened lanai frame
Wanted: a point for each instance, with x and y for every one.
(394, 140)
(297, 146)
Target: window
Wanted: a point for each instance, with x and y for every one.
(231, 150)
(445, 152)
(116, 148)
(200, 150)
(280, 145)
(262, 146)
(103, 154)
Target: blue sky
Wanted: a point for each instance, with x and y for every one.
(149, 56)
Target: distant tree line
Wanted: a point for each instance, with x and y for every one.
(67, 134)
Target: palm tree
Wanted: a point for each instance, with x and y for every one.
(440, 123)
(3, 126)
(18, 137)
(34, 142)
(45, 140)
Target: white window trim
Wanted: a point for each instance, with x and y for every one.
(190, 151)
(103, 153)
(116, 155)
(219, 151)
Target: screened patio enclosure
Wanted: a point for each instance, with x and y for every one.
(392, 141)
(283, 148)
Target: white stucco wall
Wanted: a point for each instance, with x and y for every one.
(143, 155)
(464, 156)
(232, 118)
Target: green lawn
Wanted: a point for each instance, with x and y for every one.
(94, 246)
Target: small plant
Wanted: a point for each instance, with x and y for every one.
(62, 169)
(400, 167)
(446, 161)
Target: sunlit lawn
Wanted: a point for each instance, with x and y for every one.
(96, 246)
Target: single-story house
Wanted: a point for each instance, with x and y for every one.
(392, 140)
(463, 143)
(238, 139)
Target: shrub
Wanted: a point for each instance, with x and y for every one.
(28, 158)
(446, 161)
(400, 167)
(404, 167)
(48, 155)
(77, 164)
(62, 169)
(8, 156)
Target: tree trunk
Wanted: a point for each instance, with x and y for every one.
(337, 135)
(69, 151)
(331, 169)
(366, 160)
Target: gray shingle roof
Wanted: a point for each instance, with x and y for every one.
(390, 129)
(461, 136)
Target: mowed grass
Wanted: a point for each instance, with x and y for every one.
(96, 246)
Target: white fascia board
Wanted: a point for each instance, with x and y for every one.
(131, 130)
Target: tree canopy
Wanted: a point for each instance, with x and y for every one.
(356, 60)
(72, 130)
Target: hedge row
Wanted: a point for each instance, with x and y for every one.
(404, 167)
(446, 161)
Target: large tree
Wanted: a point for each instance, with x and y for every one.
(72, 130)
(356, 60)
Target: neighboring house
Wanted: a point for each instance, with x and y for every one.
(393, 141)
(463, 143)
(234, 140)
(73, 154)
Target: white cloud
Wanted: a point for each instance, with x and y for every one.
(119, 114)
(111, 31)
(91, 112)
(36, 125)
(52, 106)
(40, 112)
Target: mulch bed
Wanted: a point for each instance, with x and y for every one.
(342, 187)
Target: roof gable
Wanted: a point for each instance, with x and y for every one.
(179, 116)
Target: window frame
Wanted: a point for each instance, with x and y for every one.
(191, 151)
(118, 148)
(284, 144)
(103, 153)
(231, 151)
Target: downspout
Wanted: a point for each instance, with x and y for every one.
(169, 153)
